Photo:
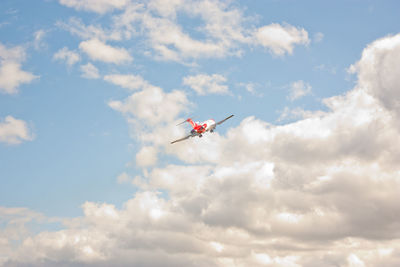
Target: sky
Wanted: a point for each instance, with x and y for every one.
(306, 173)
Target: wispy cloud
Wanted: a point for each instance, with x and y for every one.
(204, 84)
(38, 42)
(98, 6)
(70, 57)
(76, 27)
(222, 25)
(89, 71)
(252, 88)
(129, 81)
(298, 90)
(318, 37)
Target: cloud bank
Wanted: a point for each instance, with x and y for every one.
(322, 191)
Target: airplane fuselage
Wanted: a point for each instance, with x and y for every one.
(200, 128)
(205, 126)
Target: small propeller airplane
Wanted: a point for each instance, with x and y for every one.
(200, 128)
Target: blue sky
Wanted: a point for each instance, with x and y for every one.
(91, 91)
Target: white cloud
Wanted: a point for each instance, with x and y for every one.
(76, 27)
(98, 6)
(221, 25)
(299, 89)
(378, 70)
(152, 106)
(15, 227)
(123, 178)
(100, 51)
(323, 67)
(166, 9)
(147, 156)
(129, 81)
(151, 113)
(318, 37)
(89, 71)
(321, 191)
(207, 84)
(222, 28)
(297, 113)
(70, 57)
(177, 45)
(38, 41)
(14, 131)
(251, 88)
(281, 39)
(16, 53)
(11, 74)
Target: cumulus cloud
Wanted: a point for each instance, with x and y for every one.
(11, 74)
(152, 106)
(151, 113)
(70, 57)
(280, 39)
(147, 156)
(321, 191)
(378, 69)
(299, 89)
(312, 185)
(14, 131)
(207, 84)
(89, 71)
(177, 45)
(128, 81)
(98, 6)
(14, 228)
(97, 50)
(222, 27)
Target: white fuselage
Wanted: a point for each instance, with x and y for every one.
(208, 125)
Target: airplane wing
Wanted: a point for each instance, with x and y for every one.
(218, 123)
(183, 138)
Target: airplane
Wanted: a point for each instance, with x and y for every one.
(200, 128)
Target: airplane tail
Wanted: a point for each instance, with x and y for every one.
(194, 125)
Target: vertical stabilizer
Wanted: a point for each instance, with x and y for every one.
(194, 125)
